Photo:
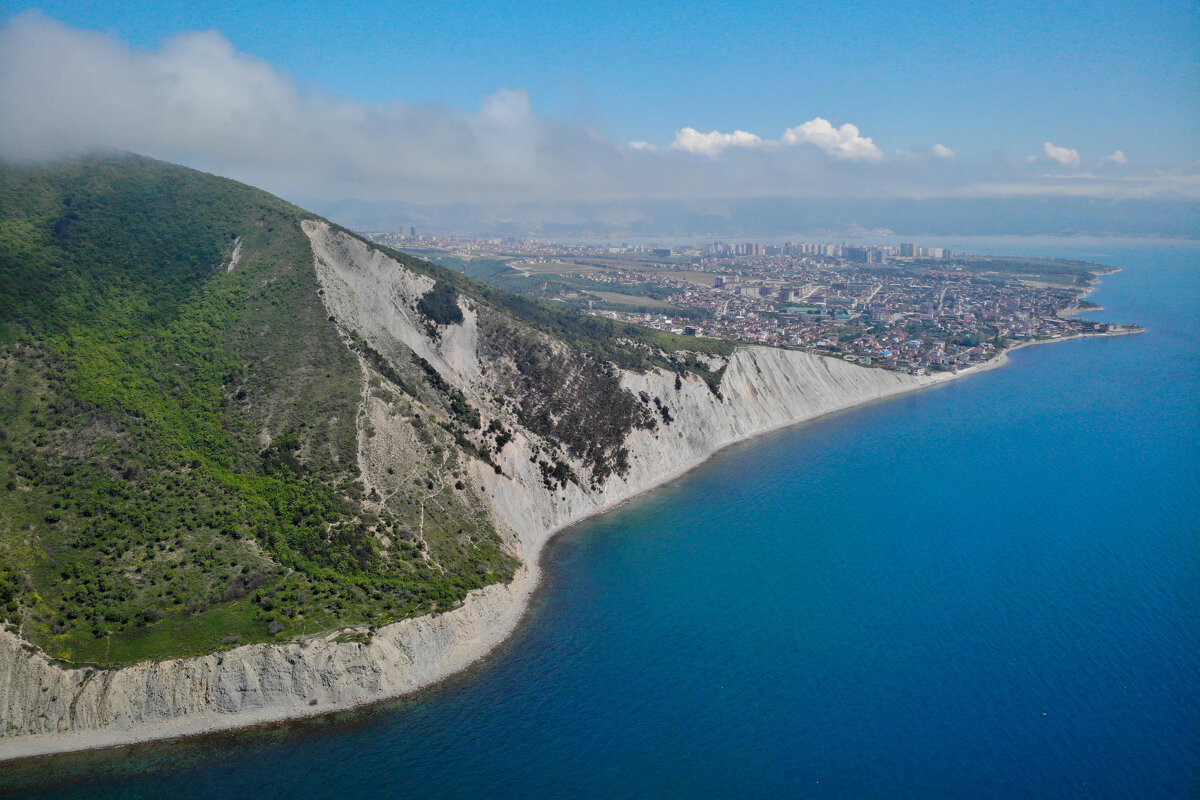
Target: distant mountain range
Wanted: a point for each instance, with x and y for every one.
(777, 217)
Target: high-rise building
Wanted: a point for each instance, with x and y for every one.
(859, 254)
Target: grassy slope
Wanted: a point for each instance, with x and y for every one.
(141, 512)
(178, 462)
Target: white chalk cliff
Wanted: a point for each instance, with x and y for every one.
(46, 708)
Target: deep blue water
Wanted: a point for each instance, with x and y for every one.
(989, 589)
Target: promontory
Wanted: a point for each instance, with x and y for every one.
(254, 467)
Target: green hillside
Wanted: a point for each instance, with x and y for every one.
(142, 515)
(179, 440)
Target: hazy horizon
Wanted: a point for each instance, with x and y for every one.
(930, 118)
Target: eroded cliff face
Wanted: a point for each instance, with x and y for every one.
(44, 707)
(762, 389)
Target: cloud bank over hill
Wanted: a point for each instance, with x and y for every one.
(197, 100)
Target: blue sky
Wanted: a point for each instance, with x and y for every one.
(1017, 94)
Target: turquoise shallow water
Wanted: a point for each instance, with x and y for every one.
(989, 589)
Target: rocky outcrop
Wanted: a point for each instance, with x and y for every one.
(45, 707)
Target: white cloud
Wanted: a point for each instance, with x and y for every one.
(937, 152)
(1066, 156)
(712, 143)
(844, 142)
(1115, 157)
(198, 101)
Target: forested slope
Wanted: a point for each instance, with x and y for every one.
(186, 430)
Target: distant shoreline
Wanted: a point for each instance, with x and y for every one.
(1001, 358)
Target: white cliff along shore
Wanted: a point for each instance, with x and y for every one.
(45, 708)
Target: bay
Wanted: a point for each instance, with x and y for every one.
(990, 589)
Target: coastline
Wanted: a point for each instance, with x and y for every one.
(456, 639)
(47, 744)
(1001, 358)
(491, 615)
(515, 602)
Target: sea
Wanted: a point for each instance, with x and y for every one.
(987, 589)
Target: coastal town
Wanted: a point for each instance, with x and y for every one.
(906, 307)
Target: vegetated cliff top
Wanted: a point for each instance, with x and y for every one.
(184, 424)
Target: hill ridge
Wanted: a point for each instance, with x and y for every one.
(374, 451)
